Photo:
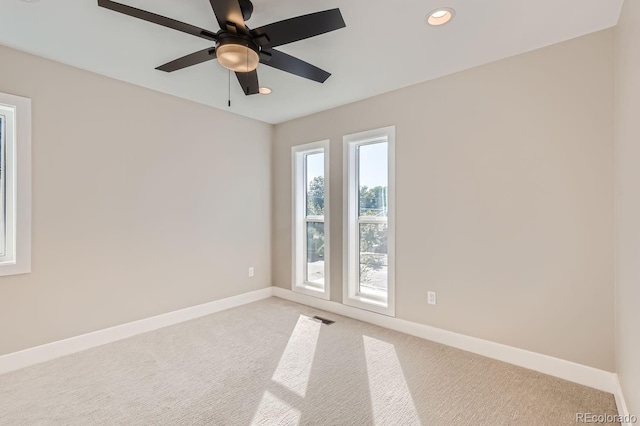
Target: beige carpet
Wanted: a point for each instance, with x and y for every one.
(268, 363)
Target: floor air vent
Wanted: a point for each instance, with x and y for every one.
(323, 320)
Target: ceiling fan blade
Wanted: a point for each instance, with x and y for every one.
(296, 66)
(249, 82)
(189, 60)
(301, 27)
(229, 15)
(157, 19)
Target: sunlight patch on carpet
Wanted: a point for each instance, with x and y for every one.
(273, 410)
(391, 400)
(294, 367)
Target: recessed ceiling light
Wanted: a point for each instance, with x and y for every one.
(440, 16)
(264, 90)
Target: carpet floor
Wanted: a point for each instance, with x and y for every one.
(268, 363)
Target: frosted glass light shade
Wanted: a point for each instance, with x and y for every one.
(237, 57)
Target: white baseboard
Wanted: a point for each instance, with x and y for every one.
(567, 370)
(620, 402)
(38, 354)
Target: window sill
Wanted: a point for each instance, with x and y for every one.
(370, 304)
(311, 290)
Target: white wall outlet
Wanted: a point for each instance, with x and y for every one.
(431, 297)
(251, 271)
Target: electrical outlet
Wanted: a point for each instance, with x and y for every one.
(251, 271)
(431, 297)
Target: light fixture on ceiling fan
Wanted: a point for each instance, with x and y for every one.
(237, 57)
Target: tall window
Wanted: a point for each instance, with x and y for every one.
(15, 178)
(369, 230)
(3, 200)
(7, 166)
(310, 219)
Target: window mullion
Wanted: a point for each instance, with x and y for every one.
(372, 219)
(319, 219)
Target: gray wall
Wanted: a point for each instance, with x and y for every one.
(504, 198)
(142, 204)
(628, 204)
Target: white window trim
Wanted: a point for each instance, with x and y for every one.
(18, 185)
(350, 238)
(299, 240)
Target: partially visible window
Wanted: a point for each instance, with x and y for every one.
(3, 168)
(15, 178)
(369, 236)
(310, 219)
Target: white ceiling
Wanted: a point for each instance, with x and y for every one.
(385, 46)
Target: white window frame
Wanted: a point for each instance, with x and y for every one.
(17, 189)
(351, 294)
(300, 219)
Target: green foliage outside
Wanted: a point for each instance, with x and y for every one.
(373, 237)
(315, 197)
(315, 231)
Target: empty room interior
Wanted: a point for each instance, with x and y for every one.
(229, 212)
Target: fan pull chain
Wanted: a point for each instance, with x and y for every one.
(247, 68)
(229, 80)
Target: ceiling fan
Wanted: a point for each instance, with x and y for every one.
(239, 48)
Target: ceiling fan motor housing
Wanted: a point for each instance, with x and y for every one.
(247, 9)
